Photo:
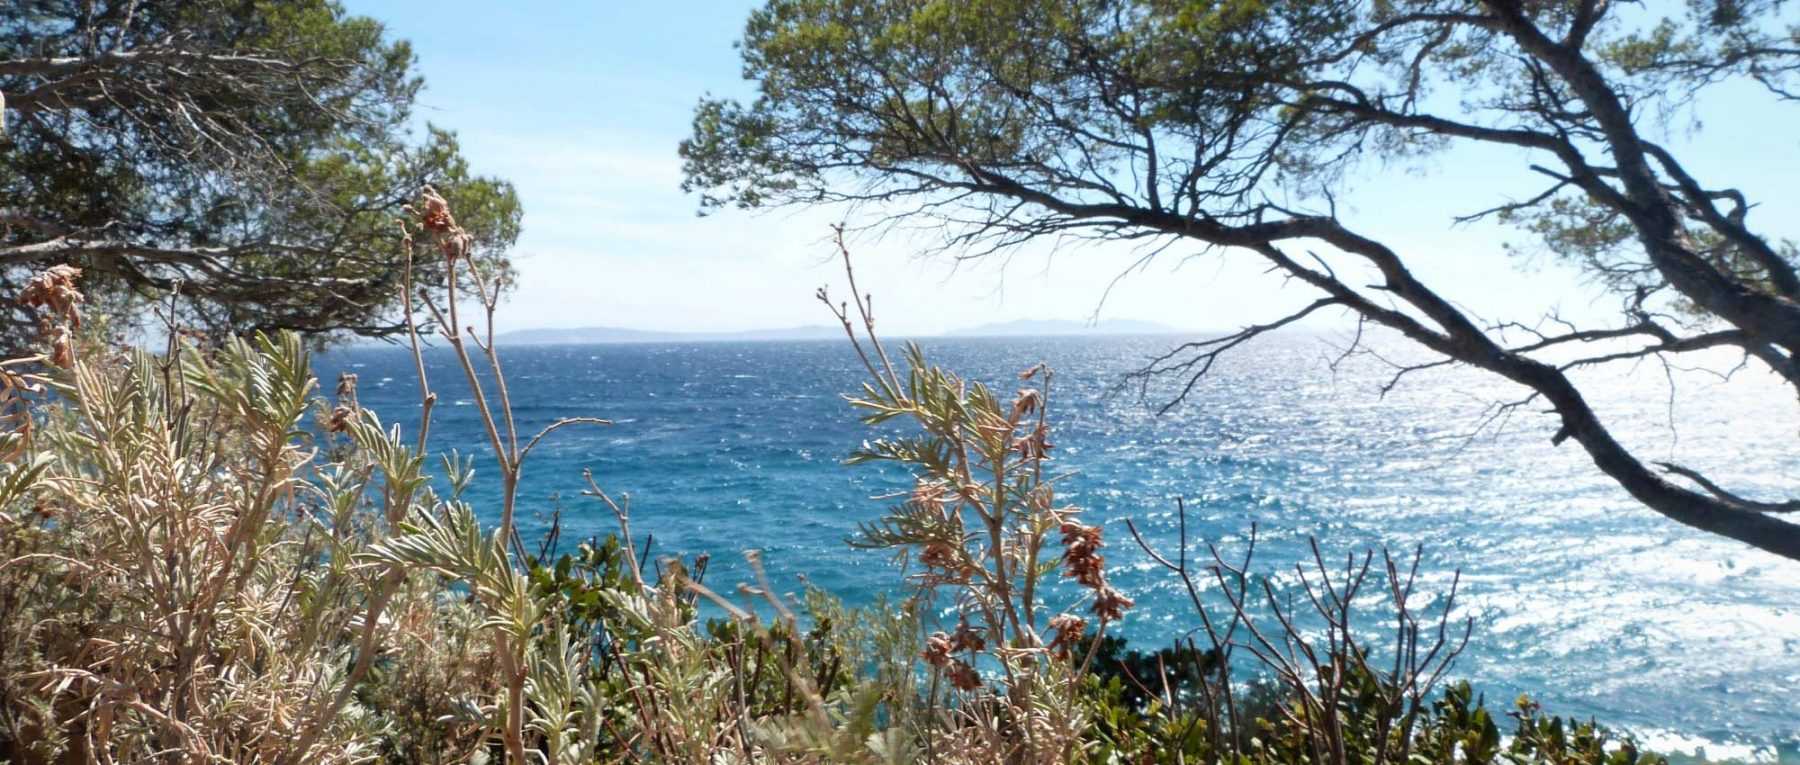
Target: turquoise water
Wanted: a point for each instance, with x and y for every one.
(1594, 605)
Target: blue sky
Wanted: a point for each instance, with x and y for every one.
(581, 105)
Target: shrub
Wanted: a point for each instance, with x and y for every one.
(206, 560)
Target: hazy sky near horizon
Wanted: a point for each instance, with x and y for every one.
(581, 106)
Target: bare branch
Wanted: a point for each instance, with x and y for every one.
(1194, 359)
(1789, 506)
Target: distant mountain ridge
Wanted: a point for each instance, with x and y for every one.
(1019, 328)
(1040, 327)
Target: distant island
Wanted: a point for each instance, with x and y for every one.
(1042, 327)
(1019, 328)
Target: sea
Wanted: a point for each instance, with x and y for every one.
(1591, 604)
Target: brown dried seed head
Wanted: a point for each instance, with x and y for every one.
(962, 676)
(967, 638)
(62, 347)
(1035, 446)
(436, 216)
(1083, 562)
(937, 650)
(1028, 402)
(1069, 631)
(346, 386)
(54, 290)
(940, 556)
(1081, 554)
(1110, 604)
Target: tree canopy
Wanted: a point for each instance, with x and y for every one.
(1184, 121)
(241, 161)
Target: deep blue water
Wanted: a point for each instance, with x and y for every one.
(1590, 603)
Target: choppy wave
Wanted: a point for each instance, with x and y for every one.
(1594, 605)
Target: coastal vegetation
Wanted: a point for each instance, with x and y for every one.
(206, 557)
(206, 560)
